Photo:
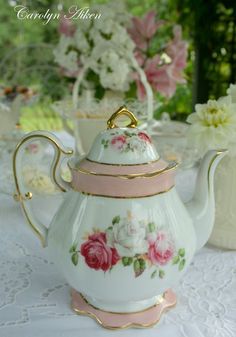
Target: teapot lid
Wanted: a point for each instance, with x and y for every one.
(123, 145)
(122, 163)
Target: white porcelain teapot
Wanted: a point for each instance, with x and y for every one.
(122, 236)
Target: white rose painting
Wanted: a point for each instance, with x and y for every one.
(131, 242)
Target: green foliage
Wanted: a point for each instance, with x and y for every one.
(73, 248)
(181, 264)
(151, 227)
(181, 252)
(127, 261)
(179, 259)
(175, 260)
(74, 254)
(24, 44)
(179, 106)
(160, 273)
(75, 258)
(115, 220)
(139, 266)
(40, 116)
(26, 47)
(212, 26)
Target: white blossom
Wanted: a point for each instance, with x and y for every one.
(81, 42)
(104, 47)
(231, 91)
(213, 125)
(114, 71)
(67, 60)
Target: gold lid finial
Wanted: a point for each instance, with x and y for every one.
(122, 111)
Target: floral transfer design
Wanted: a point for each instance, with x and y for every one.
(132, 243)
(32, 148)
(127, 141)
(97, 254)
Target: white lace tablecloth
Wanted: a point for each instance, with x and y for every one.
(35, 299)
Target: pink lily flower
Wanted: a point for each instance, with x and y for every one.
(177, 50)
(66, 27)
(140, 57)
(159, 77)
(164, 77)
(144, 29)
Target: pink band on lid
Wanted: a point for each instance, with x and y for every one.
(111, 186)
(87, 165)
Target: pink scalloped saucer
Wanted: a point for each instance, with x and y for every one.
(143, 319)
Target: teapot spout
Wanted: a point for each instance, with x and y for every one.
(202, 206)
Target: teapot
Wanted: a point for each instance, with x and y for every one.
(122, 236)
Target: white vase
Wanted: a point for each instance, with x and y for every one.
(224, 233)
(86, 130)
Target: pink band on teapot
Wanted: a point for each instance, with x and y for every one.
(130, 182)
(113, 169)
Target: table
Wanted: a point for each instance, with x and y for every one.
(35, 299)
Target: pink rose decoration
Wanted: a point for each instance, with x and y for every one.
(118, 142)
(33, 148)
(144, 137)
(161, 248)
(97, 254)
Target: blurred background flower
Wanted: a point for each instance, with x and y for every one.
(213, 125)
(152, 32)
(101, 51)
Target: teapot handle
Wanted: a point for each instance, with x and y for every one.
(23, 196)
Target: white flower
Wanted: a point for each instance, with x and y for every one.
(102, 45)
(84, 25)
(81, 41)
(231, 91)
(121, 39)
(64, 58)
(113, 71)
(213, 125)
(105, 25)
(128, 237)
(136, 144)
(96, 36)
